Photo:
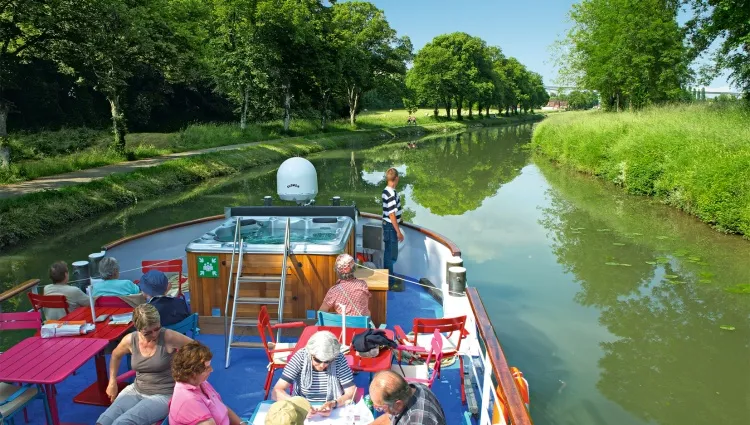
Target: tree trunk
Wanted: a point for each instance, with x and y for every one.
(447, 108)
(459, 106)
(118, 121)
(488, 112)
(471, 109)
(353, 95)
(287, 108)
(324, 112)
(480, 108)
(4, 148)
(244, 112)
(436, 112)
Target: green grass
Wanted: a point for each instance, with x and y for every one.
(36, 214)
(36, 155)
(693, 157)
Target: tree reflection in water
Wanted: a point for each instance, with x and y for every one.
(671, 363)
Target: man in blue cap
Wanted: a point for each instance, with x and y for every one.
(171, 310)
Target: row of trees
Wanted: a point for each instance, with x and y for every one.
(462, 71)
(643, 56)
(268, 57)
(578, 99)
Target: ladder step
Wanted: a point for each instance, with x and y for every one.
(259, 279)
(257, 300)
(243, 344)
(251, 322)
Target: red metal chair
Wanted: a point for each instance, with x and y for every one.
(421, 373)
(110, 301)
(277, 352)
(165, 266)
(18, 321)
(452, 331)
(38, 302)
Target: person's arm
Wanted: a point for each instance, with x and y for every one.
(79, 298)
(281, 390)
(175, 340)
(118, 353)
(133, 288)
(233, 418)
(328, 301)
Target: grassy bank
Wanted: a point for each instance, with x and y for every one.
(695, 158)
(40, 213)
(36, 155)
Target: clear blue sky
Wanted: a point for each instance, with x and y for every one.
(524, 29)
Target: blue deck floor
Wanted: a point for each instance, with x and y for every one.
(241, 386)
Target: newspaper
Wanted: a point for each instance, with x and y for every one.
(53, 330)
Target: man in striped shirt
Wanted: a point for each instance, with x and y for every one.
(391, 227)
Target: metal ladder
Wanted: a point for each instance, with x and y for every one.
(237, 257)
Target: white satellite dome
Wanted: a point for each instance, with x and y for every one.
(297, 180)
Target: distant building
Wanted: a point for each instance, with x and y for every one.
(556, 105)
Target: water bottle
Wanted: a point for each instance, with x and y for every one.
(368, 403)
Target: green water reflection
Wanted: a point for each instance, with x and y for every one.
(610, 304)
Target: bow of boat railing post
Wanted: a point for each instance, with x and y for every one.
(31, 285)
(495, 363)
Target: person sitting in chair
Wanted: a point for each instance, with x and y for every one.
(58, 273)
(319, 373)
(155, 286)
(348, 291)
(109, 269)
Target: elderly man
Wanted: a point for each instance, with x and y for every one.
(404, 403)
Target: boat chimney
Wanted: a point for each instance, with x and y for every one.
(80, 276)
(457, 281)
(267, 201)
(336, 201)
(94, 260)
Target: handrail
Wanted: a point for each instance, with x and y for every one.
(160, 229)
(19, 289)
(455, 250)
(519, 415)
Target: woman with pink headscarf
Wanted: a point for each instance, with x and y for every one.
(348, 290)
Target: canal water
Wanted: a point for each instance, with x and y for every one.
(617, 309)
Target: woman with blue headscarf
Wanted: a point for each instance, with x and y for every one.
(155, 285)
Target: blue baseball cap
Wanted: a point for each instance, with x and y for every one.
(154, 283)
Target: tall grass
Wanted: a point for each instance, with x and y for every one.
(693, 157)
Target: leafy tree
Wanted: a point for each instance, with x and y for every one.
(115, 39)
(431, 77)
(368, 50)
(582, 99)
(632, 59)
(26, 29)
(725, 21)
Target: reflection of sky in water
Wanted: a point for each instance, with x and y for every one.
(378, 176)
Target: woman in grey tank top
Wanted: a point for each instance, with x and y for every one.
(147, 400)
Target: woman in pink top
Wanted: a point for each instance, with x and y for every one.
(195, 401)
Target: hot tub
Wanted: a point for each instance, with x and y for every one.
(265, 235)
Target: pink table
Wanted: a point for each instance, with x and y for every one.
(47, 362)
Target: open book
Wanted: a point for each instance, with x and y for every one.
(121, 319)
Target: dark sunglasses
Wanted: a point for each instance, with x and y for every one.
(318, 361)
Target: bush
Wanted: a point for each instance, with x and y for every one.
(696, 158)
(29, 146)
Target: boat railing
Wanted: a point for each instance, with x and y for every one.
(497, 383)
(31, 285)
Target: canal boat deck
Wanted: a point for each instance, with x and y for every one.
(241, 386)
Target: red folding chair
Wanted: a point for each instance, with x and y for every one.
(110, 301)
(421, 373)
(277, 352)
(452, 331)
(38, 302)
(166, 266)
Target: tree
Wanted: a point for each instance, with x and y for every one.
(368, 50)
(26, 29)
(632, 59)
(431, 77)
(727, 22)
(118, 37)
(582, 99)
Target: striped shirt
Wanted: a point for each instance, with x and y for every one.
(391, 204)
(317, 392)
(422, 408)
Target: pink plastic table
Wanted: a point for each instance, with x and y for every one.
(47, 362)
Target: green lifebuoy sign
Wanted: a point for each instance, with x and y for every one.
(208, 266)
